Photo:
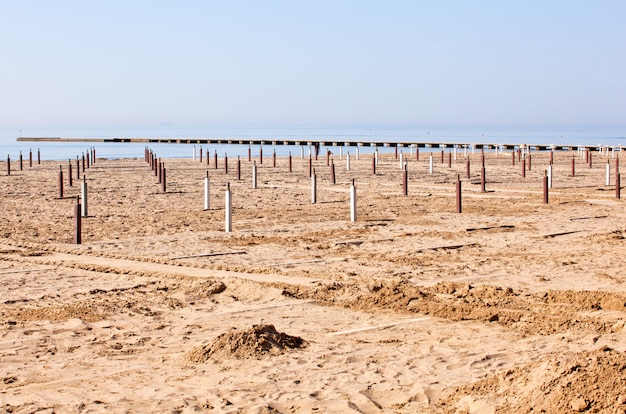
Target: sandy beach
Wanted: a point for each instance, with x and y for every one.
(511, 306)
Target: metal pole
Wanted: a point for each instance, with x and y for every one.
(83, 193)
(254, 181)
(458, 193)
(545, 187)
(353, 202)
(60, 181)
(77, 223)
(313, 188)
(207, 192)
(228, 203)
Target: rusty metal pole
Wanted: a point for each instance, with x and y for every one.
(417, 153)
(83, 162)
(21, 162)
(69, 171)
(617, 186)
(373, 165)
(38, 156)
(163, 180)
(332, 172)
(215, 158)
(260, 155)
(249, 153)
(405, 181)
(442, 156)
(573, 166)
(458, 193)
(449, 160)
(238, 168)
(310, 166)
(30, 158)
(77, 223)
(290, 166)
(590, 160)
(8, 165)
(483, 180)
(225, 163)
(77, 168)
(60, 181)
(396, 152)
(524, 168)
(529, 160)
(467, 168)
(513, 158)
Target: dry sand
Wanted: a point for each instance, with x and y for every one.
(511, 306)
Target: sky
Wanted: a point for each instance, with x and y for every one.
(316, 62)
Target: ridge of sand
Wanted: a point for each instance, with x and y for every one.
(125, 266)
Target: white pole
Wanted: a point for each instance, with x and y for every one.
(608, 173)
(207, 204)
(401, 160)
(465, 151)
(352, 202)
(341, 153)
(301, 152)
(229, 210)
(473, 148)
(254, 175)
(431, 163)
(357, 152)
(454, 152)
(83, 188)
(549, 176)
(313, 188)
(348, 162)
(376, 157)
(194, 152)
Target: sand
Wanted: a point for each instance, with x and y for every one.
(513, 305)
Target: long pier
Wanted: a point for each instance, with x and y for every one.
(325, 143)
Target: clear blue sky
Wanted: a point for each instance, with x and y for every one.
(313, 62)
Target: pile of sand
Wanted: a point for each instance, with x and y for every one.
(593, 381)
(256, 342)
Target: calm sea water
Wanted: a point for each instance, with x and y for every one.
(60, 151)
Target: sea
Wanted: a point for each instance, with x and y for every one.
(567, 136)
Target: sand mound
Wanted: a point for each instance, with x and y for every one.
(593, 381)
(256, 342)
